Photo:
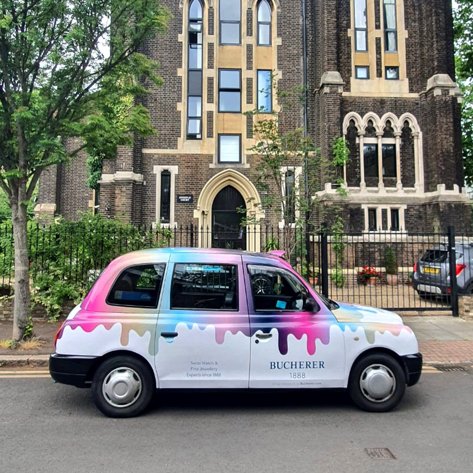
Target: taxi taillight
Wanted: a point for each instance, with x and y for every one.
(58, 334)
(415, 267)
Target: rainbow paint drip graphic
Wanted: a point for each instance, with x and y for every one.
(95, 312)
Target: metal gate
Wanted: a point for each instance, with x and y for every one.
(393, 270)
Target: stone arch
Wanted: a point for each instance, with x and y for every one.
(374, 118)
(275, 4)
(396, 125)
(229, 177)
(413, 123)
(348, 118)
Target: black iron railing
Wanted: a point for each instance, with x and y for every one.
(373, 269)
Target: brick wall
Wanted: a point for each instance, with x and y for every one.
(430, 51)
(465, 307)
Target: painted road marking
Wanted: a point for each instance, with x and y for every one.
(24, 374)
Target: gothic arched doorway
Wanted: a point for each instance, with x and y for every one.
(228, 209)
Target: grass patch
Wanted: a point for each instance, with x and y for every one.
(31, 344)
(6, 344)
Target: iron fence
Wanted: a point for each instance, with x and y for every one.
(373, 269)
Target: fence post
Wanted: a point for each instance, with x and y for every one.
(324, 260)
(453, 273)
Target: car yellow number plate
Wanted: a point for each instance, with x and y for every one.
(431, 270)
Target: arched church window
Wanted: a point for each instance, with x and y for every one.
(264, 23)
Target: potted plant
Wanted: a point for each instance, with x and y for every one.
(390, 263)
(368, 276)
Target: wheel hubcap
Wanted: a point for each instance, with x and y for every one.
(122, 387)
(377, 383)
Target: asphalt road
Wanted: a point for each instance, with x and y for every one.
(54, 428)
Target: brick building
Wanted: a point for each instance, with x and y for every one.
(379, 72)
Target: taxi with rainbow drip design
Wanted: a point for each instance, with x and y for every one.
(187, 318)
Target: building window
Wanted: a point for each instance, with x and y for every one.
(264, 23)
(390, 30)
(290, 194)
(229, 90)
(265, 92)
(165, 211)
(372, 220)
(290, 188)
(361, 30)
(384, 219)
(392, 73)
(383, 152)
(165, 194)
(389, 160)
(395, 224)
(229, 148)
(370, 155)
(194, 77)
(230, 15)
(362, 72)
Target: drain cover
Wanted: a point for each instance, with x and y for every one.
(451, 368)
(380, 453)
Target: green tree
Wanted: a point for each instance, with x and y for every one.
(293, 197)
(463, 21)
(60, 69)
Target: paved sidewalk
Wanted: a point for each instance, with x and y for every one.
(442, 339)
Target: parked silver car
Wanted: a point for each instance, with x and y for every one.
(432, 272)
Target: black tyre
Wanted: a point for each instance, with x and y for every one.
(123, 386)
(377, 383)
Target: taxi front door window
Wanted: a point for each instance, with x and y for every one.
(276, 289)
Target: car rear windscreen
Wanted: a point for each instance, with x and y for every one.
(435, 256)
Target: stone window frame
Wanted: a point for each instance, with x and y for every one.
(358, 4)
(264, 23)
(387, 30)
(174, 170)
(366, 208)
(379, 124)
(392, 68)
(376, 55)
(189, 118)
(362, 68)
(240, 153)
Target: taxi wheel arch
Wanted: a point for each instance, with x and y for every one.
(377, 381)
(123, 385)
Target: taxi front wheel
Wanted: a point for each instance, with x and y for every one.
(123, 386)
(377, 383)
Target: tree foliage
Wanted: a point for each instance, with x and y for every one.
(68, 68)
(463, 18)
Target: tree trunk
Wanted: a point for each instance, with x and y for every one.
(21, 306)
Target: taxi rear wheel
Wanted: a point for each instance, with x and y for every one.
(377, 383)
(123, 386)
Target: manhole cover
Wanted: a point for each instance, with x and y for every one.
(451, 368)
(380, 453)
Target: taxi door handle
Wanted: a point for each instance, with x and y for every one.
(169, 334)
(264, 336)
